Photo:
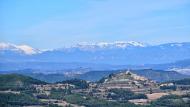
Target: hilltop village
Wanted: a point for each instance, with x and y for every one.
(117, 90)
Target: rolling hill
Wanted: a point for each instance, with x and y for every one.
(156, 75)
(17, 81)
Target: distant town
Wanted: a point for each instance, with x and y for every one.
(117, 89)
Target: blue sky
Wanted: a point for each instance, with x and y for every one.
(56, 23)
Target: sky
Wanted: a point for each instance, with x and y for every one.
(47, 24)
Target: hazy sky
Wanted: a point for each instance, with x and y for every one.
(56, 23)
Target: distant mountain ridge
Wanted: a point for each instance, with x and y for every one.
(116, 53)
(82, 46)
(108, 45)
(182, 66)
(156, 75)
(22, 49)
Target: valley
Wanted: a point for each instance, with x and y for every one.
(94, 53)
(95, 75)
(113, 74)
(118, 89)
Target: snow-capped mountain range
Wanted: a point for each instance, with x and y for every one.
(116, 53)
(108, 45)
(23, 49)
(28, 50)
(84, 46)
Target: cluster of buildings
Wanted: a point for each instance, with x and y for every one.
(49, 87)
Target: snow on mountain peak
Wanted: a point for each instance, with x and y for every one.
(136, 44)
(83, 46)
(176, 44)
(21, 48)
(27, 49)
(103, 44)
(124, 44)
(6, 45)
(119, 44)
